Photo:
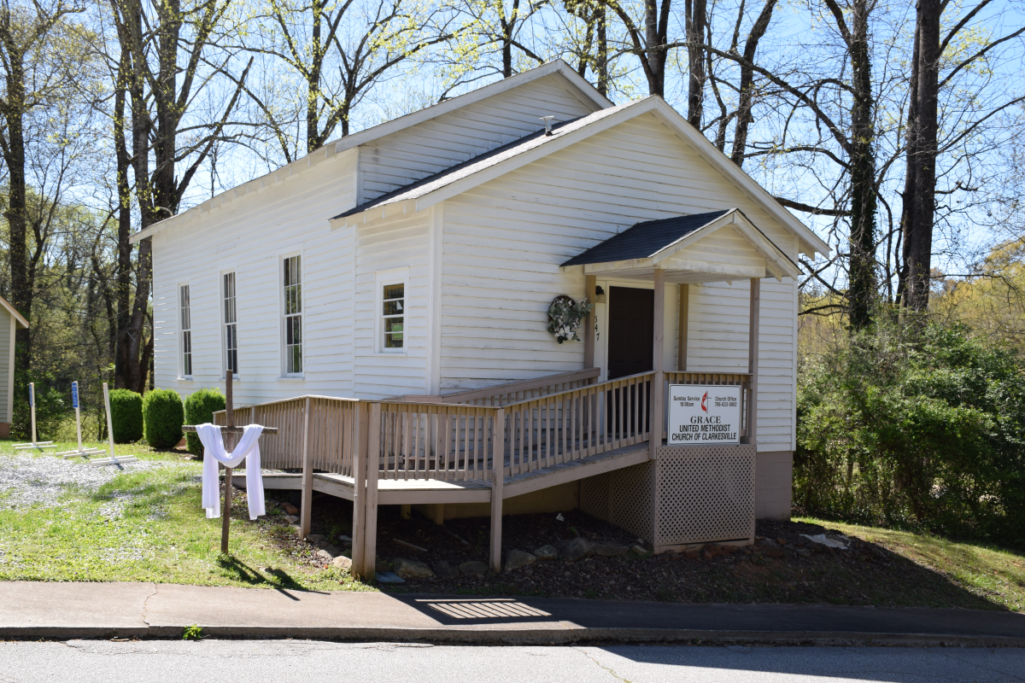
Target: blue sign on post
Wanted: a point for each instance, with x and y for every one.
(74, 394)
(32, 395)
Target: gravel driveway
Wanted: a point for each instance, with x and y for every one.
(41, 480)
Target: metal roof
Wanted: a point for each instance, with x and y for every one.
(646, 239)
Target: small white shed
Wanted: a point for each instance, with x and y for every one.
(10, 321)
(404, 274)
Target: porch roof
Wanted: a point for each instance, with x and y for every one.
(670, 244)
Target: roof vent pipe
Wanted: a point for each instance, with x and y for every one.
(548, 123)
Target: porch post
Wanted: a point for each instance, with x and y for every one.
(370, 515)
(306, 506)
(497, 483)
(590, 293)
(681, 351)
(752, 358)
(360, 423)
(657, 352)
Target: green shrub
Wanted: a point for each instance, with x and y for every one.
(164, 416)
(200, 408)
(126, 415)
(918, 427)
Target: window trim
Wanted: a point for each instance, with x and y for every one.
(179, 306)
(225, 323)
(282, 316)
(394, 276)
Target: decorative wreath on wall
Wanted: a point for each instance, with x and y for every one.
(564, 316)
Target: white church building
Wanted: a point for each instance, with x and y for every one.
(385, 302)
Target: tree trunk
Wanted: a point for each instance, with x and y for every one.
(655, 26)
(313, 137)
(696, 17)
(16, 214)
(744, 116)
(920, 185)
(862, 274)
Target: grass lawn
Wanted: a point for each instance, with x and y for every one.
(70, 521)
(144, 524)
(994, 575)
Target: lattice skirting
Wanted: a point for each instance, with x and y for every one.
(691, 494)
(624, 497)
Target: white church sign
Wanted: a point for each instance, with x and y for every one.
(700, 415)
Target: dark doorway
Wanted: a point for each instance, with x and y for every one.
(631, 333)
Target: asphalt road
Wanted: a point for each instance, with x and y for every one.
(283, 661)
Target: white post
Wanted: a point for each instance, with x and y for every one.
(32, 409)
(78, 413)
(113, 459)
(657, 351)
(32, 406)
(110, 425)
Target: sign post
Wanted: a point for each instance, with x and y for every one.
(32, 406)
(81, 452)
(111, 459)
(703, 415)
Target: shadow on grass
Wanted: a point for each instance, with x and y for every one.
(281, 580)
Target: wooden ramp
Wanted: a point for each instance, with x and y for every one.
(436, 491)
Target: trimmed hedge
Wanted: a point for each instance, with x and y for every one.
(164, 416)
(199, 409)
(126, 415)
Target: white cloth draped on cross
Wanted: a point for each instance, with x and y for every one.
(248, 448)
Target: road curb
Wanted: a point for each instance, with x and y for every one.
(565, 635)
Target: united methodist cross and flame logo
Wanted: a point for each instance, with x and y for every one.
(704, 402)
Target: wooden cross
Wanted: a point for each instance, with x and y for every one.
(229, 433)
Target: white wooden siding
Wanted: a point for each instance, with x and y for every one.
(504, 241)
(427, 148)
(402, 241)
(250, 236)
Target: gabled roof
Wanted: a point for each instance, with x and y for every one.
(14, 313)
(640, 249)
(498, 162)
(470, 167)
(644, 240)
(581, 88)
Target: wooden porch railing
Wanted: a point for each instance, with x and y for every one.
(579, 423)
(513, 392)
(438, 441)
(331, 430)
(456, 442)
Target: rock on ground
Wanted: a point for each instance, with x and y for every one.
(342, 562)
(445, 570)
(610, 549)
(411, 569)
(473, 568)
(546, 552)
(517, 559)
(576, 549)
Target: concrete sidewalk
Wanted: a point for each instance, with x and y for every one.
(75, 610)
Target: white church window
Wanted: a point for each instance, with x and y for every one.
(391, 310)
(230, 325)
(186, 331)
(293, 315)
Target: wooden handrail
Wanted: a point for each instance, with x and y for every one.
(499, 390)
(607, 384)
(576, 424)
